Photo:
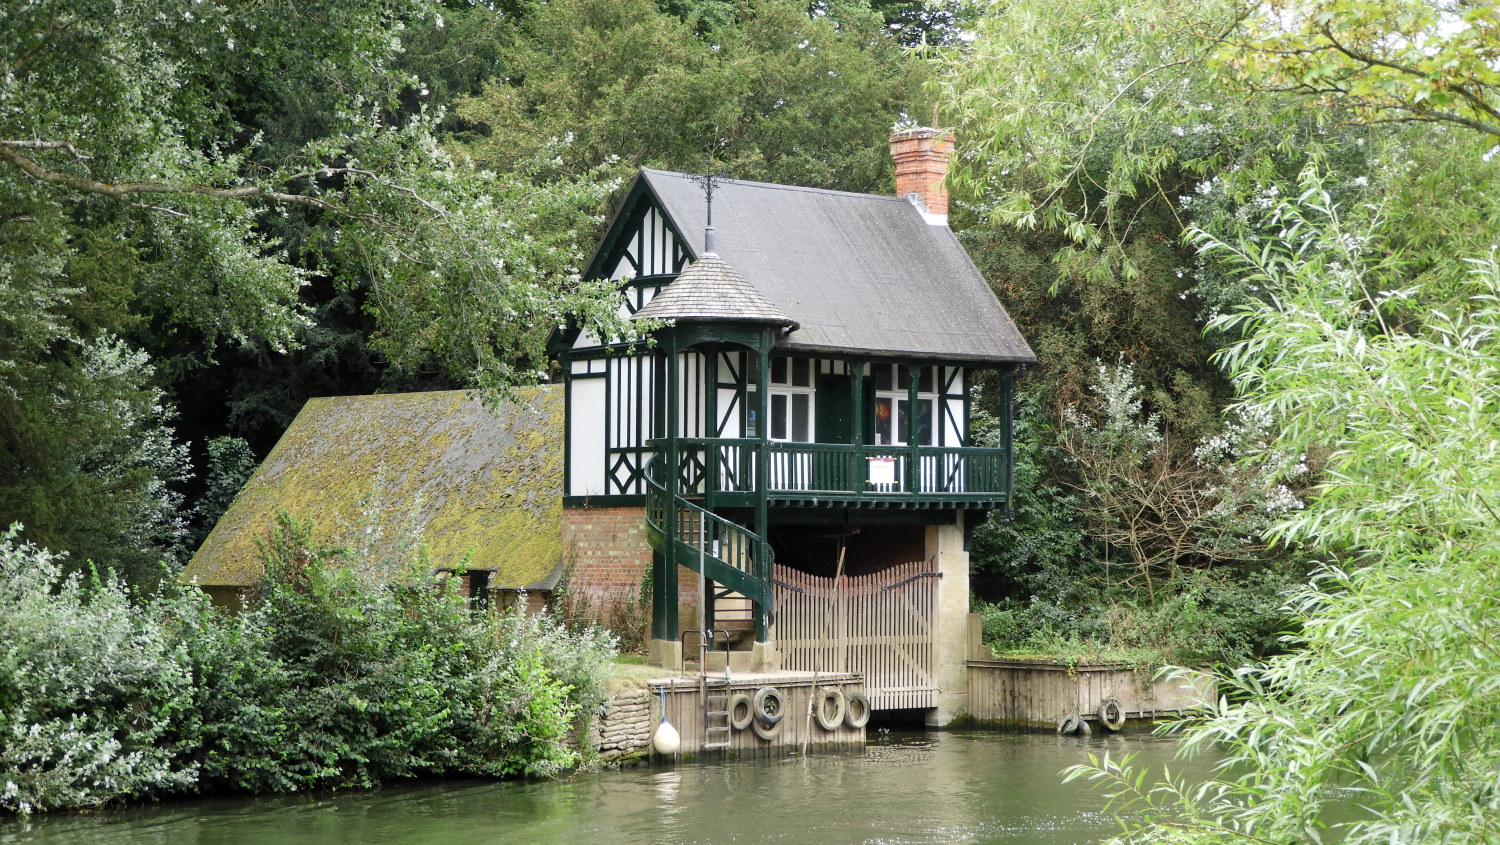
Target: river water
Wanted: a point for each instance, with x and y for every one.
(954, 786)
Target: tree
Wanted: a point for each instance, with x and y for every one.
(773, 92)
(1380, 61)
(149, 202)
(1160, 511)
(1391, 691)
(1077, 115)
(1096, 135)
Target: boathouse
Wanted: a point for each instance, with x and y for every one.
(792, 464)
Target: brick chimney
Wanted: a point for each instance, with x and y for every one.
(921, 156)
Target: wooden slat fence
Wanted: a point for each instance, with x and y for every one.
(882, 626)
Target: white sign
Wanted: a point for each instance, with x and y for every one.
(882, 470)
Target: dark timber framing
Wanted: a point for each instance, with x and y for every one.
(729, 423)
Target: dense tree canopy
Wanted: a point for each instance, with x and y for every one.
(1099, 134)
(771, 92)
(215, 210)
(1329, 167)
(1381, 61)
(1391, 691)
(149, 206)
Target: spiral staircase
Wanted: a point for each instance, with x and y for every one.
(735, 560)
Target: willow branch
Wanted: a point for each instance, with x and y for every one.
(10, 151)
(1478, 103)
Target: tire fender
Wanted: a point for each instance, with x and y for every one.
(769, 706)
(1111, 715)
(741, 713)
(858, 714)
(765, 731)
(829, 708)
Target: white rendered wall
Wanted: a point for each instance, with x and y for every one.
(586, 440)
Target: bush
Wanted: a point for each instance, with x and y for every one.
(1211, 617)
(326, 681)
(97, 705)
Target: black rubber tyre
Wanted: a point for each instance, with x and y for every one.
(741, 714)
(765, 731)
(829, 708)
(1111, 716)
(769, 705)
(859, 710)
(1069, 725)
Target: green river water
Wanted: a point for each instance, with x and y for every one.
(955, 786)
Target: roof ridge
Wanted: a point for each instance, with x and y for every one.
(779, 186)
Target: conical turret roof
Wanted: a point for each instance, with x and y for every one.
(710, 290)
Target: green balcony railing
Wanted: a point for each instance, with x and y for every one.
(727, 553)
(710, 467)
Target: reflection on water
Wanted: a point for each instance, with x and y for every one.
(904, 788)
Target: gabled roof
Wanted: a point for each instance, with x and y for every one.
(470, 479)
(859, 273)
(710, 290)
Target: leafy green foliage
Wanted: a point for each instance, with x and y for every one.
(230, 465)
(175, 173)
(1158, 510)
(1377, 60)
(94, 694)
(1122, 547)
(328, 680)
(1073, 317)
(1392, 690)
(1096, 136)
(1077, 113)
(770, 91)
(86, 454)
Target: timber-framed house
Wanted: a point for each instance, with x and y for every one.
(793, 462)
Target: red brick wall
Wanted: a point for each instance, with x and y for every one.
(608, 558)
(608, 554)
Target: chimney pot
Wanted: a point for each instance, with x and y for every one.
(922, 155)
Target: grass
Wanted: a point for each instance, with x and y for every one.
(630, 671)
(1070, 652)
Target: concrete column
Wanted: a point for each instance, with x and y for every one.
(945, 543)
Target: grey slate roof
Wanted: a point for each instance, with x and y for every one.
(859, 273)
(710, 289)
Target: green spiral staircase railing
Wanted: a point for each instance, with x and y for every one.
(730, 555)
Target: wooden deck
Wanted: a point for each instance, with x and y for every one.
(1037, 694)
(684, 709)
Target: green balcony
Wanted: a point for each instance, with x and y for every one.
(723, 472)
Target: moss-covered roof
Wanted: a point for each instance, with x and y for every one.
(470, 478)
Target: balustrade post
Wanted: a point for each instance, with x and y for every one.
(913, 474)
(763, 480)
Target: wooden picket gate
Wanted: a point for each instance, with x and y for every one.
(882, 625)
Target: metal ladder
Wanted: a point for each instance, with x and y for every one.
(714, 691)
(715, 711)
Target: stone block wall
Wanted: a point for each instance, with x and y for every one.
(625, 726)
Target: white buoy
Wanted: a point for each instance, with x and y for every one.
(666, 741)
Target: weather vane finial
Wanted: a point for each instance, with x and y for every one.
(708, 181)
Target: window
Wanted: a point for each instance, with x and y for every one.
(894, 409)
(792, 401)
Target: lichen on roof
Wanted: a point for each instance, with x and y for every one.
(474, 480)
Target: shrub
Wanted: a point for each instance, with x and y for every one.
(96, 695)
(327, 680)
